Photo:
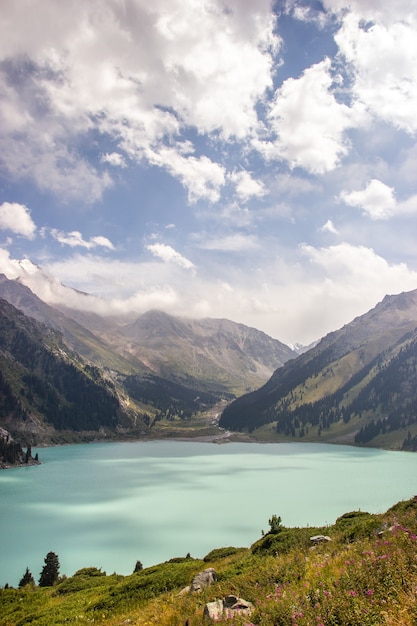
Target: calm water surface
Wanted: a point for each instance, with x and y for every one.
(109, 505)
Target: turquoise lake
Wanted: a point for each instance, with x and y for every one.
(108, 505)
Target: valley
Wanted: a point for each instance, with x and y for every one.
(72, 376)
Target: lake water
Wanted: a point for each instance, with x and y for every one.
(109, 505)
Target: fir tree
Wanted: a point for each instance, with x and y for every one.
(50, 572)
(27, 579)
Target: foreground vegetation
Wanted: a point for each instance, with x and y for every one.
(366, 574)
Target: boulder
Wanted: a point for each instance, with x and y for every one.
(203, 579)
(319, 539)
(229, 608)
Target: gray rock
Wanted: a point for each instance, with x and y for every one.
(229, 607)
(319, 539)
(203, 579)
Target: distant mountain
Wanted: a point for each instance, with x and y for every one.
(45, 389)
(358, 385)
(218, 353)
(163, 366)
(208, 354)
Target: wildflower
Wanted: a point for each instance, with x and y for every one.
(369, 592)
(352, 593)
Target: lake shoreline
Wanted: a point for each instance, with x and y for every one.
(110, 505)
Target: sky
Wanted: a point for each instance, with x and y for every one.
(211, 158)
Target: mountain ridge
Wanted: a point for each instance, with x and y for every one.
(320, 388)
(164, 368)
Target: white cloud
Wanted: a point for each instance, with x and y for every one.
(309, 122)
(113, 158)
(169, 255)
(377, 200)
(297, 300)
(101, 241)
(136, 72)
(218, 61)
(384, 11)
(75, 239)
(407, 207)
(329, 227)
(16, 218)
(355, 268)
(383, 59)
(202, 177)
(246, 186)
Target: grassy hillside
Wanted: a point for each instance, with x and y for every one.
(366, 575)
(358, 385)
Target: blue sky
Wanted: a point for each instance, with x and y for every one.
(212, 158)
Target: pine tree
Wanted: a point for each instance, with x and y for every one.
(138, 567)
(27, 579)
(50, 571)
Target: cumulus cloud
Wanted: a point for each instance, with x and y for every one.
(113, 158)
(382, 56)
(75, 239)
(16, 218)
(377, 200)
(201, 176)
(246, 186)
(346, 265)
(136, 72)
(169, 255)
(309, 122)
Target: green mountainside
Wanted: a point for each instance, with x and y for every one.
(359, 571)
(45, 388)
(358, 385)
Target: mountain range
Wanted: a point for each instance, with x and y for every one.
(154, 367)
(357, 385)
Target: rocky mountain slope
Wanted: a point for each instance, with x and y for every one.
(219, 353)
(358, 385)
(46, 389)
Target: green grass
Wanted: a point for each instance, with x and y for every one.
(366, 575)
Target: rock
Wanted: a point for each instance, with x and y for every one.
(319, 539)
(229, 608)
(214, 610)
(203, 579)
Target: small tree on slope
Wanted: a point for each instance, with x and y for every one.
(27, 579)
(50, 571)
